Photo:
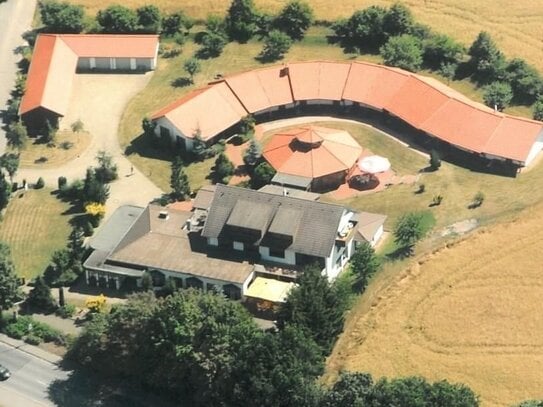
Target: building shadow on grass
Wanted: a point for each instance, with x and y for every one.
(151, 147)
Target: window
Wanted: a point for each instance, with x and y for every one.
(277, 253)
(238, 246)
(164, 132)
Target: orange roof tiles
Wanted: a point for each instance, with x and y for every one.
(312, 151)
(423, 102)
(210, 111)
(54, 62)
(261, 89)
(112, 45)
(318, 80)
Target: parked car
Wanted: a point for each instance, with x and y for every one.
(4, 373)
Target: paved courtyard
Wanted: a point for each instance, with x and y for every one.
(99, 100)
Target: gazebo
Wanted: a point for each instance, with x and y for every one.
(312, 158)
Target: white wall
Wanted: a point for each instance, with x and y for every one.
(536, 149)
(377, 236)
(174, 132)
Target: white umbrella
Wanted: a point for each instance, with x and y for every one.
(374, 164)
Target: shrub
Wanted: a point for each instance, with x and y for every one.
(15, 331)
(276, 45)
(33, 339)
(40, 183)
(421, 189)
(77, 126)
(88, 229)
(498, 95)
(478, 200)
(67, 311)
(436, 200)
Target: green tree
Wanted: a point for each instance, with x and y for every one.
(62, 269)
(364, 264)
(146, 281)
(149, 19)
(294, 19)
(10, 162)
(252, 155)
(49, 133)
(192, 67)
(94, 190)
(106, 171)
(498, 95)
(531, 403)
(196, 341)
(525, 81)
(440, 50)
(117, 19)
(276, 369)
(315, 307)
(262, 175)
(40, 296)
(351, 389)
(224, 169)
(212, 45)
(398, 20)
(76, 242)
(9, 282)
(363, 30)
(179, 182)
(17, 135)
(199, 147)
(77, 126)
(5, 191)
(404, 52)
(538, 109)
(487, 62)
(408, 230)
(241, 20)
(62, 17)
(448, 71)
(176, 23)
(276, 45)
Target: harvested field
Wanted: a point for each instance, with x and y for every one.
(516, 26)
(470, 313)
(34, 228)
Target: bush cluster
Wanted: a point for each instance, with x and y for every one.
(33, 331)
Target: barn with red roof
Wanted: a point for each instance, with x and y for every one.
(428, 107)
(56, 59)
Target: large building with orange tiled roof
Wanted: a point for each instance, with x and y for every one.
(57, 57)
(428, 107)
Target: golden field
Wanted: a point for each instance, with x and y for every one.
(470, 312)
(515, 25)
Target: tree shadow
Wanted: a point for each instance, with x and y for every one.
(400, 253)
(181, 82)
(83, 388)
(151, 147)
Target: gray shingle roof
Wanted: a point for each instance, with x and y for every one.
(111, 232)
(317, 222)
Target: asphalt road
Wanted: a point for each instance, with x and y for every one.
(30, 379)
(15, 19)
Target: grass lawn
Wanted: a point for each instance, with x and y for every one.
(34, 227)
(40, 155)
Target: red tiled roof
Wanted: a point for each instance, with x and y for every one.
(423, 102)
(211, 111)
(261, 89)
(54, 62)
(312, 151)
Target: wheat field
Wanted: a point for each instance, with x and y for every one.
(470, 312)
(515, 25)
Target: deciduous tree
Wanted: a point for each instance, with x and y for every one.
(149, 19)
(62, 17)
(192, 67)
(408, 230)
(276, 45)
(9, 282)
(241, 20)
(487, 62)
(10, 162)
(17, 135)
(364, 263)
(404, 52)
(117, 19)
(294, 19)
(498, 95)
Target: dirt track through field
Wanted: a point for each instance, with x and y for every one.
(470, 313)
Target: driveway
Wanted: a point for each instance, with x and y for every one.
(15, 19)
(99, 101)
